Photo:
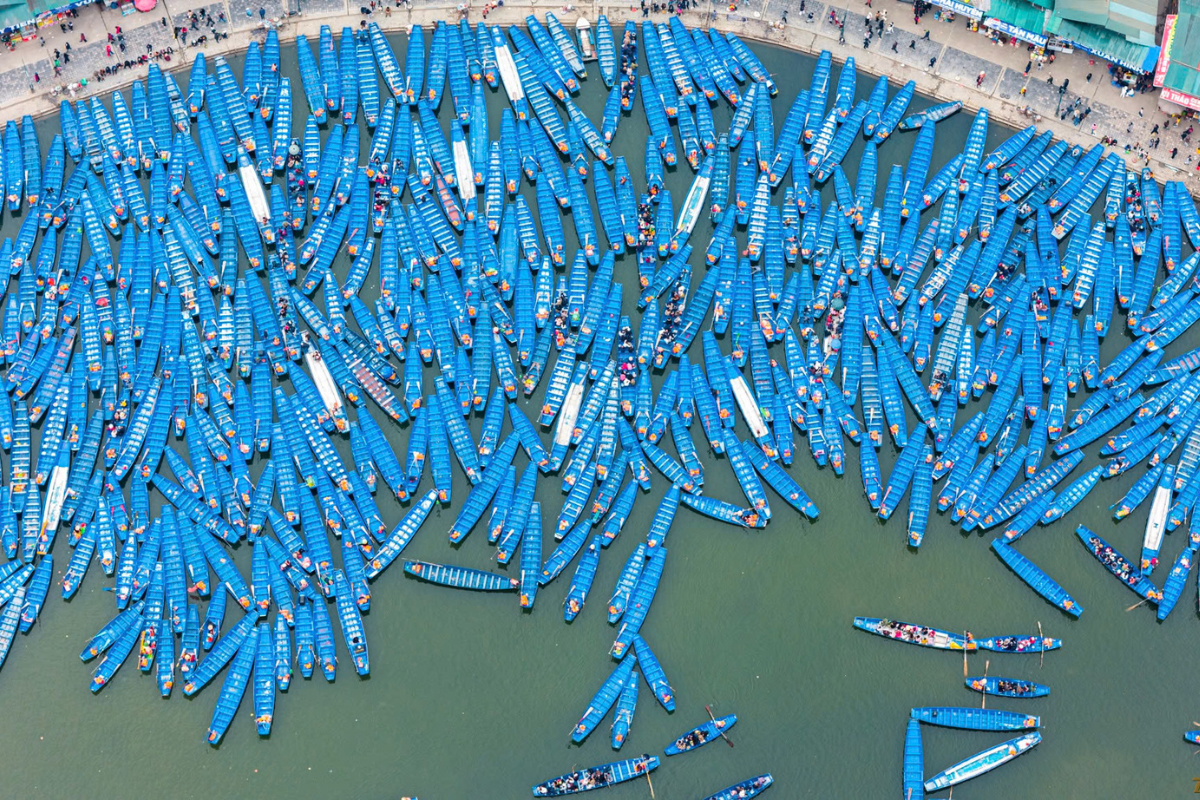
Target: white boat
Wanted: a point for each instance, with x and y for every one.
(583, 32)
(508, 71)
(253, 186)
(326, 385)
(1156, 525)
(464, 175)
(56, 493)
(982, 762)
(569, 414)
(693, 205)
(747, 405)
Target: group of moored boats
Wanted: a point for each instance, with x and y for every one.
(212, 302)
(620, 771)
(977, 719)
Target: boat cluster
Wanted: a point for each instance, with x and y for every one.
(211, 305)
(983, 719)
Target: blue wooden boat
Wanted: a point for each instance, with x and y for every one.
(751, 787)
(750, 63)
(701, 735)
(606, 52)
(603, 700)
(597, 777)
(933, 114)
(1118, 565)
(983, 762)
(652, 671)
(1037, 580)
(1007, 687)
(639, 603)
(975, 719)
(915, 634)
(351, 623)
(914, 762)
(460, 577)
(264, 680)
(623, 717)
(234, 687)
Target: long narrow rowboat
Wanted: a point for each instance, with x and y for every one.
(1018, 644)
(914, 762)
(975, 719)
(701, 735)
(585, 780)
(460, 577)
(1039, 581)
(751, 787)
(1007, 687)
(1118, 565)
(932, 114)
(982, 762)
(914, 634)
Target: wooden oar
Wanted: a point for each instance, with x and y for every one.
(650, 783)
(1042, 643)
(983, 694)
(719, 731)
(966, 643)
(1135, 605)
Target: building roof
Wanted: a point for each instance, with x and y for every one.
(1106, 44)
(1092, 12)
(1183, 75)
(1019, 14)
(1136, 20)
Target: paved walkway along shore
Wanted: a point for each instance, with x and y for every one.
(961, 55)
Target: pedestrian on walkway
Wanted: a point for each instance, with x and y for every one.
(1028, 66)
(1174, 152)
(1089, 77)
(866, 41)
(1050, 79)
(37, 78)
(1066, 82)
(979, 79)
(1155, 128)
(82, 38)
(1129, 128)
(891, 28)
(1141, 112)
(1093, 129)
(932, 61)
(912, 44)
(1022, 92)
(895, 46)
(926, 36)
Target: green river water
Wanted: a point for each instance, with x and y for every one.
(471, 698)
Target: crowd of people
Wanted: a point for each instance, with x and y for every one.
(129, 63)
(673, 7)
(1116, 563)
(580, 781)
(915, 634)
(197, 18)
(628, 67)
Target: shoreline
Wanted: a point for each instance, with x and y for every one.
(808, 39)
